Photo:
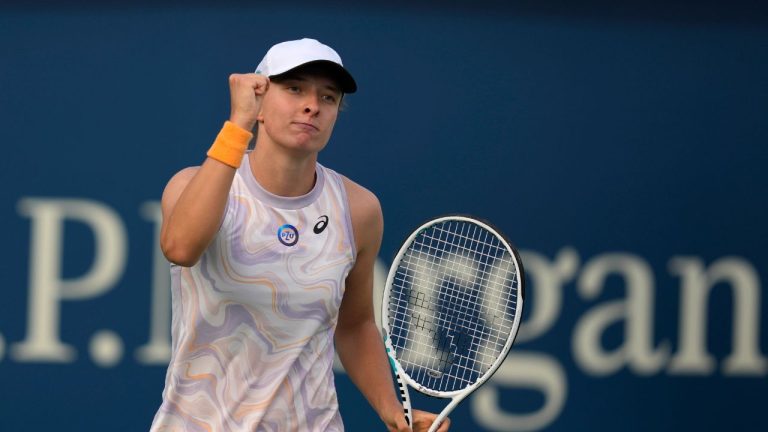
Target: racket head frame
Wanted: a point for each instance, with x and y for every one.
(460, 394)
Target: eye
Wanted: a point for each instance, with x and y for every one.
(293, 89)
(329, 98)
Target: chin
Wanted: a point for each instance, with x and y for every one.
(308, 146)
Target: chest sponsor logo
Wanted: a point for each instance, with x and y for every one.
(288, 235)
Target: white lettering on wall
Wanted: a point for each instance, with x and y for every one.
(529, 370)
(46, 286)
(696, 285)
(547, 279)
(534, 371)
(636, 311)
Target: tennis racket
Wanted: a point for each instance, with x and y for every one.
(451, 309)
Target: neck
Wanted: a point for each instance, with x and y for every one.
(281, 173)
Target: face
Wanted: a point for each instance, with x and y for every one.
(298, 112)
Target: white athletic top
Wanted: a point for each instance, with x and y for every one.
(254, 319)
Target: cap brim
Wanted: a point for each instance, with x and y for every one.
(335, 70)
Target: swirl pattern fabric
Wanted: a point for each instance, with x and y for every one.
(254, 319)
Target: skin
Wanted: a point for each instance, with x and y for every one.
(295, 119)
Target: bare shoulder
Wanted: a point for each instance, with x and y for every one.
(366, 215)
(364, 205)
(176, 186)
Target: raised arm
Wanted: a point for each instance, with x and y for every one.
(194, 200)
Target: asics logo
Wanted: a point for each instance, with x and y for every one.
(320, 225)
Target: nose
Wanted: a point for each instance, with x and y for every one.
(312, 103)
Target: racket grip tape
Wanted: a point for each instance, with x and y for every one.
(404, 397)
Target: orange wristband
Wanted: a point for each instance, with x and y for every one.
(230, 145)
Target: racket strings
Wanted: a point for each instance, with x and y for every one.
(494, 288)
(485, 255)
(464, 324)
(496, 293)
(452, 304)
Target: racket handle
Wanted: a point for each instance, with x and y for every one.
(405, 398)
(402, 388)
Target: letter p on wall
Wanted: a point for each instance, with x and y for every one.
(47, 288)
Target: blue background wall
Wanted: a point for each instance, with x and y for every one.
(621, 147)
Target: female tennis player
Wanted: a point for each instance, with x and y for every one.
(272, 261)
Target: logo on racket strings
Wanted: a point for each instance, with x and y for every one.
(434, 374)
(288, 235)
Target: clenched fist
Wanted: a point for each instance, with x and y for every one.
(246, 92)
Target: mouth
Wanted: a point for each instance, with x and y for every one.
(309, 127)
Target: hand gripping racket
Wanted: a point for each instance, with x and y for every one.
(451, 309)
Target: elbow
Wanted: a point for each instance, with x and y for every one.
(179, 253)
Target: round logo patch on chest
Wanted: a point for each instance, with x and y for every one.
(288, 235)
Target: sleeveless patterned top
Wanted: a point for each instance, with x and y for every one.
(254, 319)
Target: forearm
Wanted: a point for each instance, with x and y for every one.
(362, 353)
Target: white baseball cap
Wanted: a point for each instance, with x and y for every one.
(289, 55)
